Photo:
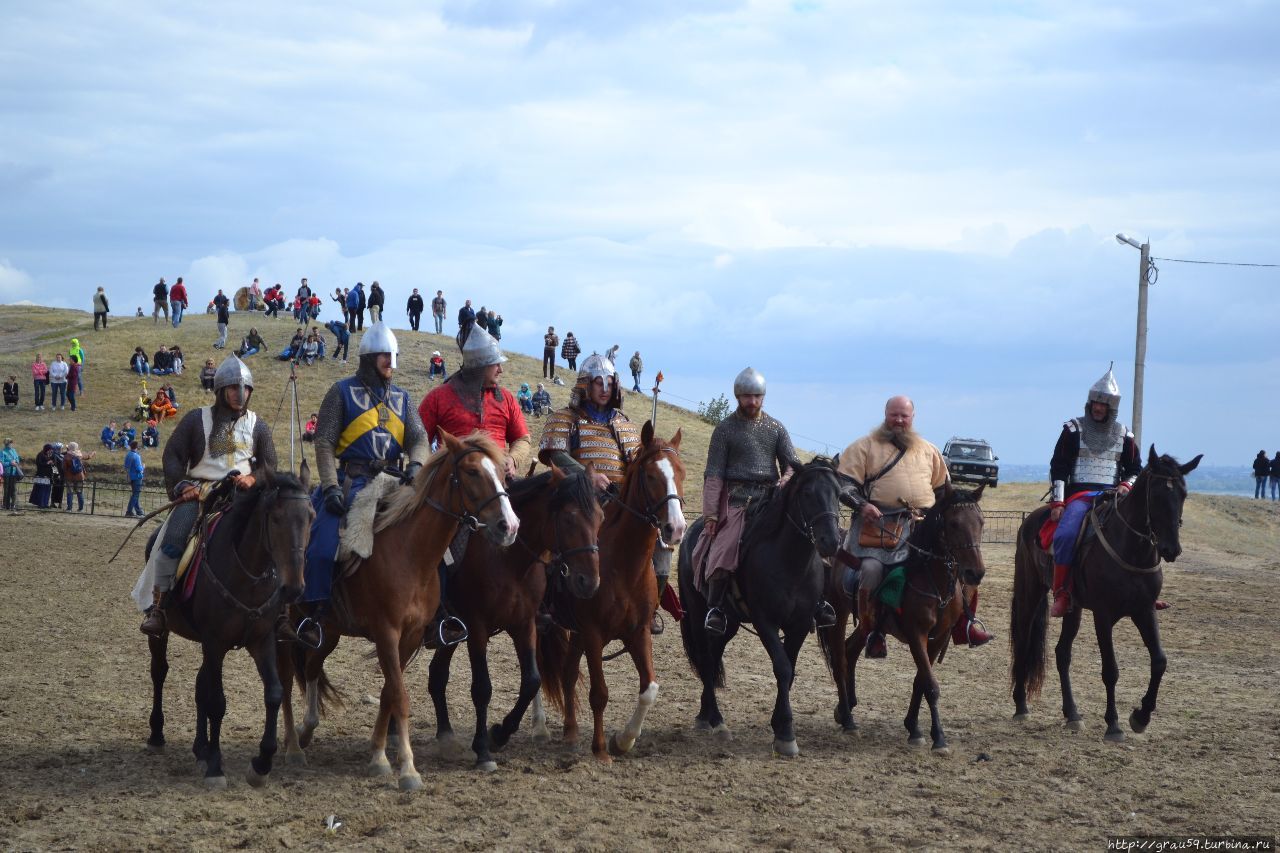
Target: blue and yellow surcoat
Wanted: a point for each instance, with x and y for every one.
(373, 428)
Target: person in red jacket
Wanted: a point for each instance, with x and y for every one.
(177, 301)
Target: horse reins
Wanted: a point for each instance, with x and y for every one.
(807, 529)
(467, 518)
(1149, 536)
(559, 558)
(650, 514)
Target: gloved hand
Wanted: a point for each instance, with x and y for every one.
(406, 478)
(334, 502)
(1056, 512)
(1123, 488)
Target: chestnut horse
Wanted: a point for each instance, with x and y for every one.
(649, 502)
(1117, 575)
(945, 556)
(499, 589)
(394, 594)
(250, 566)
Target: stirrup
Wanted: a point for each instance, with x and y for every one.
(825, 616)
(450, 631)
(306, 630)
(716, 621)
(973, 631)
(657, 625)
(876, 645)
(159, 625)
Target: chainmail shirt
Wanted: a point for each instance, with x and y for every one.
(749, 450)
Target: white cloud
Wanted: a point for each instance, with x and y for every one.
(14, 283)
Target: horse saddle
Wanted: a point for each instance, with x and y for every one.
(189, 564)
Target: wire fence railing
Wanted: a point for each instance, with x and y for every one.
(101, 497)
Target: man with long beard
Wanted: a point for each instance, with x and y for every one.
(895, 465)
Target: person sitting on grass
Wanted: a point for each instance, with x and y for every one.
(541, 401)
(161, 407)
(138, 362)
(309, 430)
(251, 344)
(125, 435)
(294, 349)
(151, 435)
(11, 392)
(162, 362)
(206, 375)
(437, 370)
(310, 349)
(525, 398)
(108, 436)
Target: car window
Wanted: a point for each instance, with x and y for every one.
(971, 451)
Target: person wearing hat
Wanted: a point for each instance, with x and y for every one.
(74, 475)
(435, 368)
(1094, 453)
(366, 424)
(209, 444)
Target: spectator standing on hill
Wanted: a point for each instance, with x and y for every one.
(223, 304)
(482, 318)
(139, 314)
(73, 474)
(159, 301)
(495, 326)
(637, 367)
(58, 382)
(255, 296)
(376, 300)
(341, 298)
(73, 380)
(466, 319)
(101, 309)
(11, 392)
(206, 375)
(570, 350)
(549, 343)
(414, 309)
(56, 480)
(77, 352)
(1261, 470)
(1275, 477)
(438, 308)
(355, 308)
(9, 461)
(40, 379)
(611, 354)
(313, 307)
(304, 291)
(342, 339)
(177, 302)
(134, 469)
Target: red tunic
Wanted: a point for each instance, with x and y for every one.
(503, 421)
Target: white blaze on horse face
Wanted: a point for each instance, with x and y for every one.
(508, 513)
(675, 513)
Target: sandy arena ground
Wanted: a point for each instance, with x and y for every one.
(75, 694)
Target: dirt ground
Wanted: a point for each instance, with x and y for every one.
(75, 694)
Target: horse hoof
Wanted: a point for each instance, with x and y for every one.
(215, 783)
(295, 758)
(304, 736)
(451, 748)
(1114, 737)
(1021, 717)
(701, 725)
(155, 748)
(918, 740)
(942, 751)
(785, 748)
(1075, 725)
(616, 747)
(543, 736)
(1136, 723)
(379, 768)
(410, 783)
(721, 732)
(497, 742)
(849, 730)
(487, 766)
(255, 780)
(604, 757)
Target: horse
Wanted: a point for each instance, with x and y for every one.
(250, 565)
(1118, 575)
(649, 503)
(500, 590)
(945, 556)
(395, 592)
(780, 578)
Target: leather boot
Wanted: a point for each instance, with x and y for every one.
(155, 624)
(825, 615)
(658, 625)
(1061, 595)
(968, 631)
(716, 622)
(876, 646)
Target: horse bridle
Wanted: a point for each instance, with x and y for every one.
(559, 561)
(807, 529)
(467, 518)
(947, 557)
(650, 514)
(1149, 536)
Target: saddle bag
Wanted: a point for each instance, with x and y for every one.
(885, 534)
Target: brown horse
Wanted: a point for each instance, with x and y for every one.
(649, 502)
(946, 556)
(499, 589)
(395, 593)
(1117, 575)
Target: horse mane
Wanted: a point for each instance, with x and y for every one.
(926, 532)
(768, 521)
(246, 503)
(403, 503)
(575, 488)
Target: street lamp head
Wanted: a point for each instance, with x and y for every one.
(1126, 239)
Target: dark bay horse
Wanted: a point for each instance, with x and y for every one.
(780, 578)
(945, 556)
(499, 589)
(250, 567)
(649, 503)
(394, 594)
(1118, 575)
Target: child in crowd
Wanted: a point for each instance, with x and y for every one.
(309, 431)
(108, 436)
(151, 435)
(206, 375)
(525, 397)
(176, 351)
(11, 392)
(436, 368)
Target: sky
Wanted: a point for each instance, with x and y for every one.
(858, 199)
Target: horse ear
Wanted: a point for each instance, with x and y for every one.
(977, 493)
(675, 439)
(1152, 458)
(1190, 466)
(557, 474)
(449, 441)
(304, 474)
(646, 433)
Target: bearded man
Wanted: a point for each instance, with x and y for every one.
(898, 468)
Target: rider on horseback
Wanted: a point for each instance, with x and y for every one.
(208, 445)
(592, 428)
(366, 424)
(470, 400)
(1094, 453)
(899, 469)
(749, 451)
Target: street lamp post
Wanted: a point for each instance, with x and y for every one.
(1140, 347)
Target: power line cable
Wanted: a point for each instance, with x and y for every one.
(1215, 263)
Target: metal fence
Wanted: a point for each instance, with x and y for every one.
(101, 497)
(1001, 526)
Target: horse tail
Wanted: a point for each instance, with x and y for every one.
(1028, 615)
(329, 694)
(825, 636)
(553, 652)
(693, 635)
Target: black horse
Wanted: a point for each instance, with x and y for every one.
(780, 579)
(1117, 575)
(250, 567)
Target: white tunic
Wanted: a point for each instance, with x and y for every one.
(216, 467)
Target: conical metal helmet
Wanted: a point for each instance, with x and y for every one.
(379, 338)
(596, 366)
(1105, 390)
(233, 371)
(749, 381)
(480, 350)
